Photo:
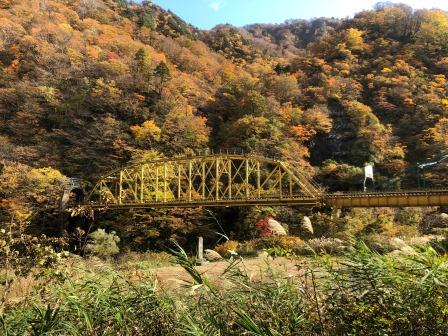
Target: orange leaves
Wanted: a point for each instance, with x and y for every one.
(294, 151)
(93, 52)
(302, 133)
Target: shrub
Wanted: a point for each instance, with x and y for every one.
(328, 245)
(224, 248)
(433, 221)
(248, 249)
(277, 246)
(102, 244)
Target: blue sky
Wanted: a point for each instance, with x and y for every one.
(208, 13)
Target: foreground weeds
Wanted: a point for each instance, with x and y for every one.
(361, 293)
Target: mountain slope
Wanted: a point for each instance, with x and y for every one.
(87, 86)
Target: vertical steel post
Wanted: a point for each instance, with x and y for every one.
(280, 175)
(120, 187)
(190, 182)
(217, 178)
(178, 182)
(290, 184)
(142, 184)
(157, 185)
(101, 192)
(246, 182)
(230, 177)
(165, 186)
(258, 180)
(203, 179)
(136, 197)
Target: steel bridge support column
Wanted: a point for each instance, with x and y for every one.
(217, 178)
(120, 187)
(142, 184)
(246, 178)
(157, 185)
(280, 176)
(165, 182)
(178, 183)
(230, 178)
(190, 182)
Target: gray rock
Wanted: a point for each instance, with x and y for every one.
(306, 224)
(211, 255)
(276, 227)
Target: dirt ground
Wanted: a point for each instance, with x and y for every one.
(173, 277)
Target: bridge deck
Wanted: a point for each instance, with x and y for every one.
(419, 198)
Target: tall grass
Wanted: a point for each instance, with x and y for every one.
(361, 293)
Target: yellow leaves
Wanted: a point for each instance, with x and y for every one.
(408, 101)
(147, 131)
(115, 67)
(49, 93)
(66, 26)
(434, 25)
(440, 79)
(444, 102)
(386, 70)
(43, 178)
(354, 40)
(329, 167)
(75, 56)
(106, 89)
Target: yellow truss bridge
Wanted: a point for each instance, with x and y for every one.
(234, 180)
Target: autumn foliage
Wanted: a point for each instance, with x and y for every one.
(88, 86)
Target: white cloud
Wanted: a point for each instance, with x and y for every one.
(216, 5)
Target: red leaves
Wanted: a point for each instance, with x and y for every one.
(263, 228)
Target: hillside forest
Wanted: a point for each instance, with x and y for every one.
(88, 86)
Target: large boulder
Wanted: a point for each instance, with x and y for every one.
(306, 225)
(211, 255)
(276, 228)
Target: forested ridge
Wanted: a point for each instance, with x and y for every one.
(87, 86)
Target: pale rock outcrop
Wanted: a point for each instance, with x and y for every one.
(211, 255)
(306, 224)
(276, 228)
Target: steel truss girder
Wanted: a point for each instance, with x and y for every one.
(205, 180)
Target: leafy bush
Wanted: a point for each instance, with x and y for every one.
(275, 245)
(102, 244)
(328, 245)
(224, 248)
